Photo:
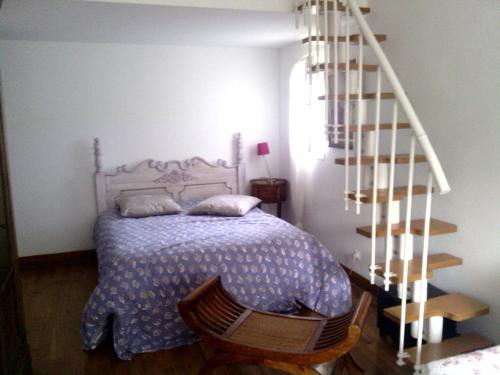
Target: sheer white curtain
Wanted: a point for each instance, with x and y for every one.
(307, 136)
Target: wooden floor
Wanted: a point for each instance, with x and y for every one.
(53, 301)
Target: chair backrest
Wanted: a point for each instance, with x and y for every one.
(336, 329)
(210, 309)
(333, 331)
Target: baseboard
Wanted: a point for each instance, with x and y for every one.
(44, 260)
(90, 256)
(360, 281)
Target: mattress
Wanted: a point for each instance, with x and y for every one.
(147, 265)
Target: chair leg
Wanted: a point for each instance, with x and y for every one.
(352, 367)
(346, 362)
(220, 359)
(289, 367)
(339, 366)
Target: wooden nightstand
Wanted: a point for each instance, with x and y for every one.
(270, 190)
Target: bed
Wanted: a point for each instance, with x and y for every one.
(147, 265)
(479, 362)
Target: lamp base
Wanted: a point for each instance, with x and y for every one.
(267, 167)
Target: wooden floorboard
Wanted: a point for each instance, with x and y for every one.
(54, 297)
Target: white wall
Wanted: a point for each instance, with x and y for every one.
(446, 54)
(143, 102)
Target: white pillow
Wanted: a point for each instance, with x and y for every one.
(225, 205)
(147, 205)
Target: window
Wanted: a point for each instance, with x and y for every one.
(308, 133)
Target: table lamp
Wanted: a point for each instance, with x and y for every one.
(263, 150)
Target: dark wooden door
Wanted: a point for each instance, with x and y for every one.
(14, 352)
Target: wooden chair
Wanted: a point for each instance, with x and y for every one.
(288, 343)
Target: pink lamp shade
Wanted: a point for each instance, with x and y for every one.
(262, 149)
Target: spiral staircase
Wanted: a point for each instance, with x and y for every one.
(339, 42)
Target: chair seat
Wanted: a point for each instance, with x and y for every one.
(276, 332)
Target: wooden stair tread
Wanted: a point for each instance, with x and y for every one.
(342, 67)
(400, 192)
(340, 6)
(468, 342)
(364, 96)
(354, 38)
(371, 127)
(437, 227)
(382, 159)
(454, 306)
(435, 261)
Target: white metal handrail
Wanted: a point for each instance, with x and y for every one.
(416, 125)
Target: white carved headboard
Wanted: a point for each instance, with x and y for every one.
(193, 178)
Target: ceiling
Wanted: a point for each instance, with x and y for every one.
(263, 5)
(141, 22)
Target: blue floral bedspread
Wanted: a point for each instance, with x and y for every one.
(147, 265)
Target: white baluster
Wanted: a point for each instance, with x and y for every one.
(368, 144)
(390, 219)
(347, 111)
(304, 17)
(423, 276)
(327, 62)
(317, 8)
(406, 257)
(336, 27)
(309, 45)
(296, 13)
(373, 266)
(359, 134)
